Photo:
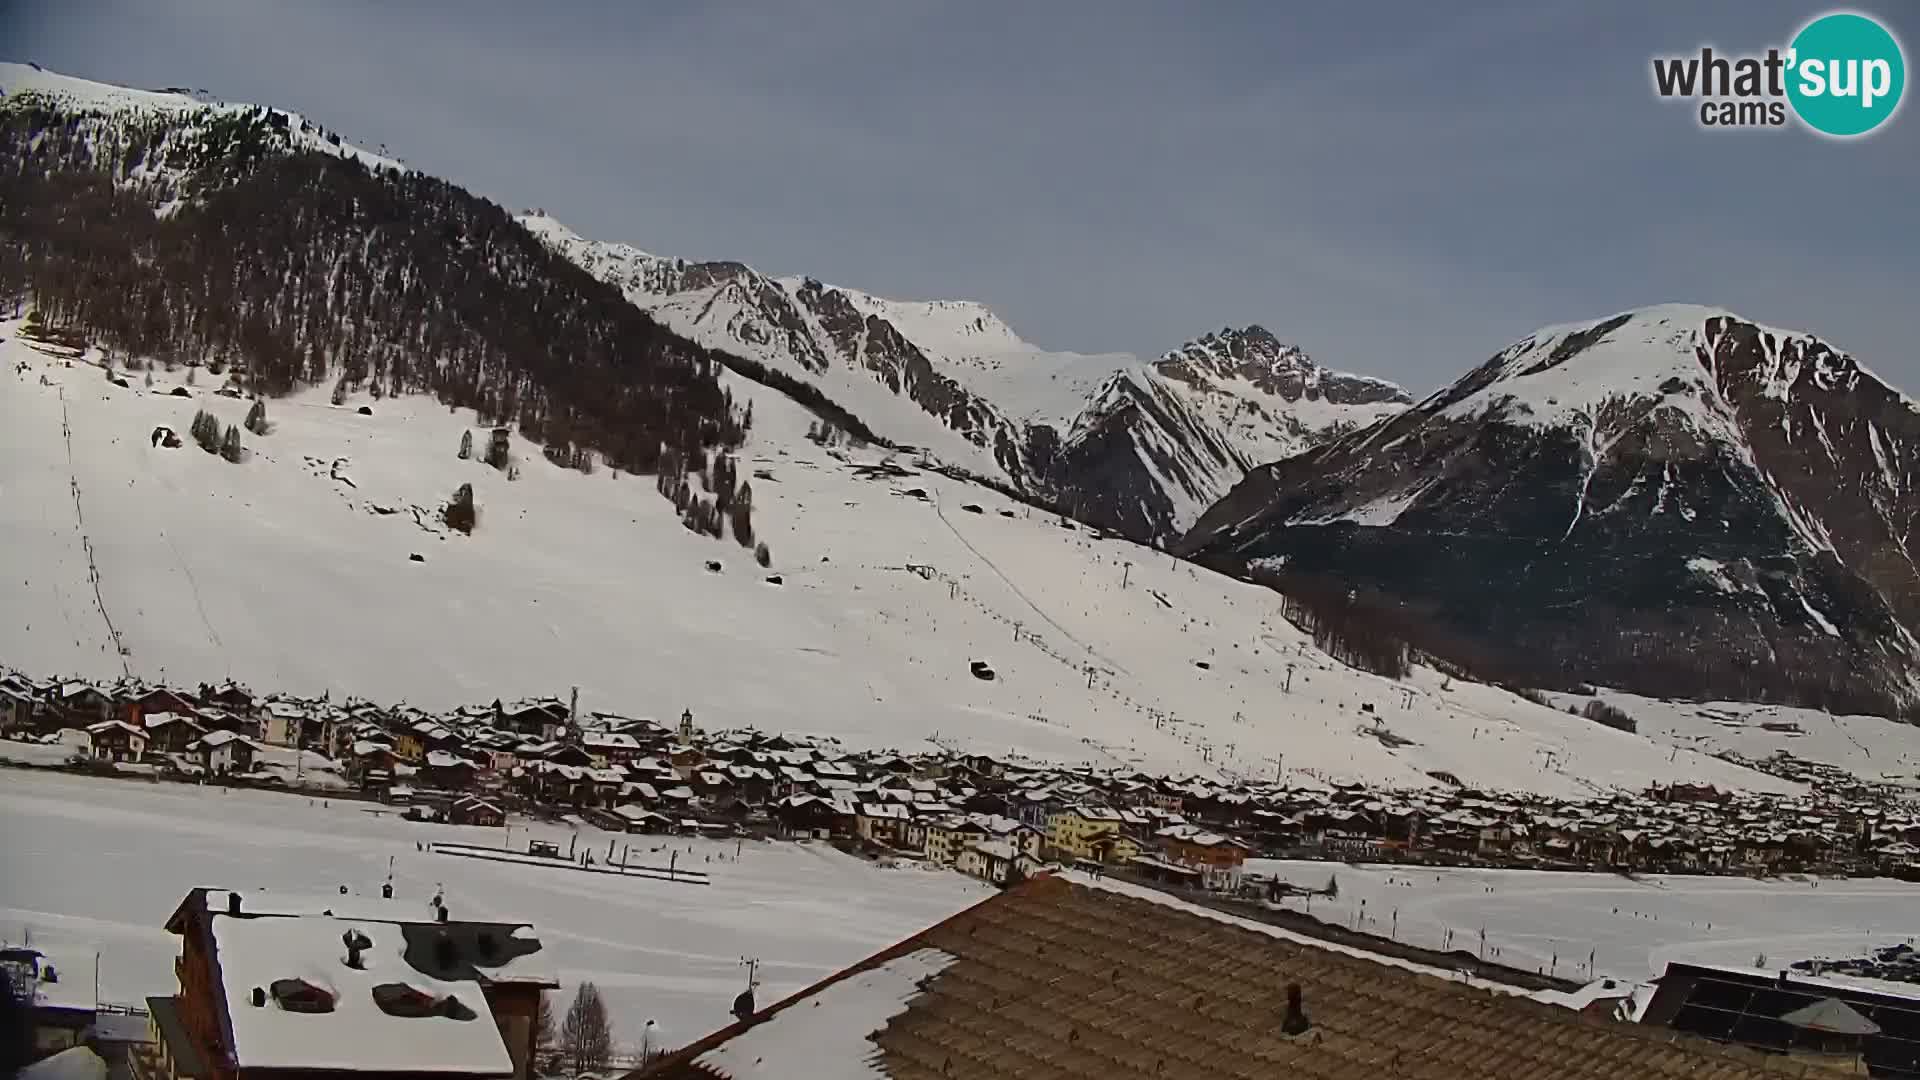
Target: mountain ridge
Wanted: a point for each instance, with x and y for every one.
(1138, 446)
(1728, 503)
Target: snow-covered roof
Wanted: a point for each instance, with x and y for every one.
(357, 1035)
(829, 1038)
(73, 1063)
(998, 849)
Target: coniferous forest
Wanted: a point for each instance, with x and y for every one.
(212, 238)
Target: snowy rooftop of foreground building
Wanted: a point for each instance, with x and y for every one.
(357, 1033)
(1077, 979)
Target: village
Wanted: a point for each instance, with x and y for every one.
(997, 820)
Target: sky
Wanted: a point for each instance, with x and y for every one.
(1402, 188)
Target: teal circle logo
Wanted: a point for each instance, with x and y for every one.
(1845, 74)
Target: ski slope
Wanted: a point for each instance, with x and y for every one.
(293, 571)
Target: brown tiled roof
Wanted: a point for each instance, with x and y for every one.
(1055, 980)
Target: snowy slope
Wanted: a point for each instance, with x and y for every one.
(292, 571)
(190, 112)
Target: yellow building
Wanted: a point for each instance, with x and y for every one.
(408, 748)
(948, 837)
(1084, 832)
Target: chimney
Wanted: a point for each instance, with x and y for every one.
(233, 903)
(354, 943)
(573, 710)
(440, 913)
(1296, 1020)
(259, 997)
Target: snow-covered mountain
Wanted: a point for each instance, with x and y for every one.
(295, 570)
(1674, 499)
(1138, 447)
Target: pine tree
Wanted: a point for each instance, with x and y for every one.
(460, 513)
(206, 431)
(761, 555)
(741, 513)
(466, 452)
(586, 1035)
(257, 417)
(340, 391)
(230, 446)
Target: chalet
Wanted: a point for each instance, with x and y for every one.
(1218, 859)
(446, 771)
(806, 817)
(117, 740)
(993, 861)
(284, 724)
(1024, 838)
(544, 718)
(1035, 806)
(224, 752)
(228, 695)
(611, 748)
(473, 810)
(569, 754)
(636, 818)
(17, 710)
(883, 823)
(369, 757)
(751, 782)
(409, 747)
(83, 703)
(162, 700)
(170, 733)
(278, 987)
(711, 783)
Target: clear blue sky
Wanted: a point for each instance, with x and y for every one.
(1402, 188)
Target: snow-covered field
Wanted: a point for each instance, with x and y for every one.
(292, 571)
(99, 864)
(1632, 927)
(1867, 746)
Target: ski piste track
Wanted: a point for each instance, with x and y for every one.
(86, 543)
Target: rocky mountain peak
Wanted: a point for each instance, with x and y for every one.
(1252, 354)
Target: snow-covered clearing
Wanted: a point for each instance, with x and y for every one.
(292, 571)
(100, 864)
(1867, 746)
(1632, 927)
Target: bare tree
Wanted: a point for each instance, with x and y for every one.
(544, 1035)
(586, 1035)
